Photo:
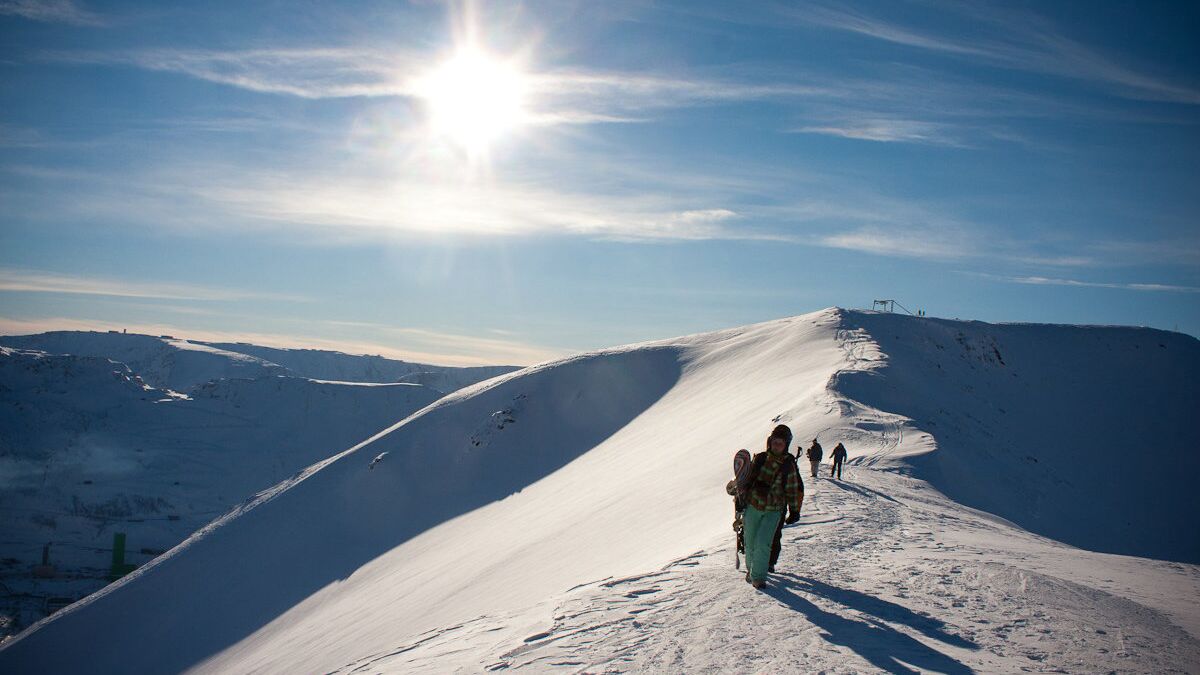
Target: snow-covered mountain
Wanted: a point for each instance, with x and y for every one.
(173, 363)
(572, 516)
(88, 449)
(1078, 433)
(164, 362)
(326, 365)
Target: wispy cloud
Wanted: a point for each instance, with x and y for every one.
(29, 281)
(20, 137)
(322, 72)
(884, 130)
(1050, 281)
(904, 242)
(458, 347)
(1016, 40)
(392, 205)
(849, 20)
(648, 91)
(1182, 251)
(51, 11)
(558, 96)
(904, 106)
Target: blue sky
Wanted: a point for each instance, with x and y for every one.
(285, 172)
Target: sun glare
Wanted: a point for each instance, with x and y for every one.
(473, 99)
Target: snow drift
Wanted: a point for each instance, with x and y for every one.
(487, 503)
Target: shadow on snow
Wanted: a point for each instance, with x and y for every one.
(254, 568)
(871, 637)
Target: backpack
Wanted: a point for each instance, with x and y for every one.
(753, 484)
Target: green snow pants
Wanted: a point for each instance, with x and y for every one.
(759, 530)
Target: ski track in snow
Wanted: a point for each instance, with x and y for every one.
(863, 585)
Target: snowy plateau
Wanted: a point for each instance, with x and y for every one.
(1018, 498)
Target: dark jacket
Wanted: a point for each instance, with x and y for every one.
(815, 453)
(839, 453)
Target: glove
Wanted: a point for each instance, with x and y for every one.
(793, 518)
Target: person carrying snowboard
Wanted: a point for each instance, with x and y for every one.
(777, 542)
(815, 453)
(839, 456)
(771, 487)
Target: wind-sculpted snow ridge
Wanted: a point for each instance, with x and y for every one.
(571, 516)
(1084, 434)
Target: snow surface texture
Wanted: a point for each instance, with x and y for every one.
(572, 516)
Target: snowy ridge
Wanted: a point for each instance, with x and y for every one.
(571, 516)
(1084, 434)
(173, 363)
(326, 365)
(163, 362)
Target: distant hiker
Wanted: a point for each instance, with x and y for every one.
(815, 453)
(772, 486)
(839, 456)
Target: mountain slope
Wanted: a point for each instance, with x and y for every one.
(167, 362)
(162, 362)
(1079, 433)
(532, 519)
(326, 365)
(88, 449)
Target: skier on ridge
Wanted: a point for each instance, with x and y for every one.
(839, 456)
(815, 453)
(773, 486)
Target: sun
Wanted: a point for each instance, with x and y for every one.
(473, 99)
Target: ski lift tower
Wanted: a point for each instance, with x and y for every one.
(890, 306)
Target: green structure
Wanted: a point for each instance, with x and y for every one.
(119, 568)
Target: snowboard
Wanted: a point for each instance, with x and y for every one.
(741, 470)
(741, 467)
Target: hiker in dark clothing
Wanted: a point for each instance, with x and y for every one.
(815, 453)
(772, 487)
(839, 456)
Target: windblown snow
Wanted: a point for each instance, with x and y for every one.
(571, 516)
